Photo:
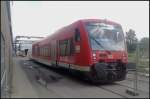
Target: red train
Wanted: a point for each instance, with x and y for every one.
(93, 47)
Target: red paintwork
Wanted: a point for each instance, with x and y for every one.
(85, 57)
(111, 56)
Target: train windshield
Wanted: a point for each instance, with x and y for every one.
(105, 36)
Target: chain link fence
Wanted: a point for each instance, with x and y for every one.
(142, 59)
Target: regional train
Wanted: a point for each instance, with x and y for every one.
(95, 48)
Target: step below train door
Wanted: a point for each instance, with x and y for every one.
(54, 53)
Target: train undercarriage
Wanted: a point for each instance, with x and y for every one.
(107, 72)
(100, 72)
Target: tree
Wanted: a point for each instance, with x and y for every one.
(131, 40)
(144, 46)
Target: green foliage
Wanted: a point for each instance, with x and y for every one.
(144, 47)
(143, 59)
(143, 63)
(131, 40)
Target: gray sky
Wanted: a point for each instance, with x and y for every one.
(41, 18)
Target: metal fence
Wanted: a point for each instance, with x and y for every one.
(140, 58)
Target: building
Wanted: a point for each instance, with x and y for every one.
(6, 49)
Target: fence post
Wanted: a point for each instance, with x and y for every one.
(135, 91)
(135, 73)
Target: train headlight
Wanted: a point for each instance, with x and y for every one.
(94, 55)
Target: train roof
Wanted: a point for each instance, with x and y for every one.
(99, 20)
(82, 21)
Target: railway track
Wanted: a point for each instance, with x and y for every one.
(138, 74)
(130, 87)
(120, 90)
(131, 79)
(124, 87)
(115, 88)
(112, 91)
(106, 89)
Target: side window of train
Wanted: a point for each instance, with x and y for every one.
(40, 51)
(50, 51)
(77, 35)
(66, 47)
(62, 46)
(71, 46)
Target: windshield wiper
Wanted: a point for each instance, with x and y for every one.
(98, 42)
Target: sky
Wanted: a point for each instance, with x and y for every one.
(42, 18)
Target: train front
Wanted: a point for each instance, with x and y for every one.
(109, 53)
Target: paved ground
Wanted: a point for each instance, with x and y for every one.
(21, 86)
(62, 86)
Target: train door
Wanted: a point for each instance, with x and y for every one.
(54, 53)
(77, 48)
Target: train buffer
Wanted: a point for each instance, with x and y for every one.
(44, 76)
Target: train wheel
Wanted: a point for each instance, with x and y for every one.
(92, 76)
(37, 77)
(98, 73)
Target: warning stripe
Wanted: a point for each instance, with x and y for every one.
(65, 65)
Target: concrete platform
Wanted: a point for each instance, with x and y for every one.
(21, 87)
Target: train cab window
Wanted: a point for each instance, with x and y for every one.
(77, 35)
